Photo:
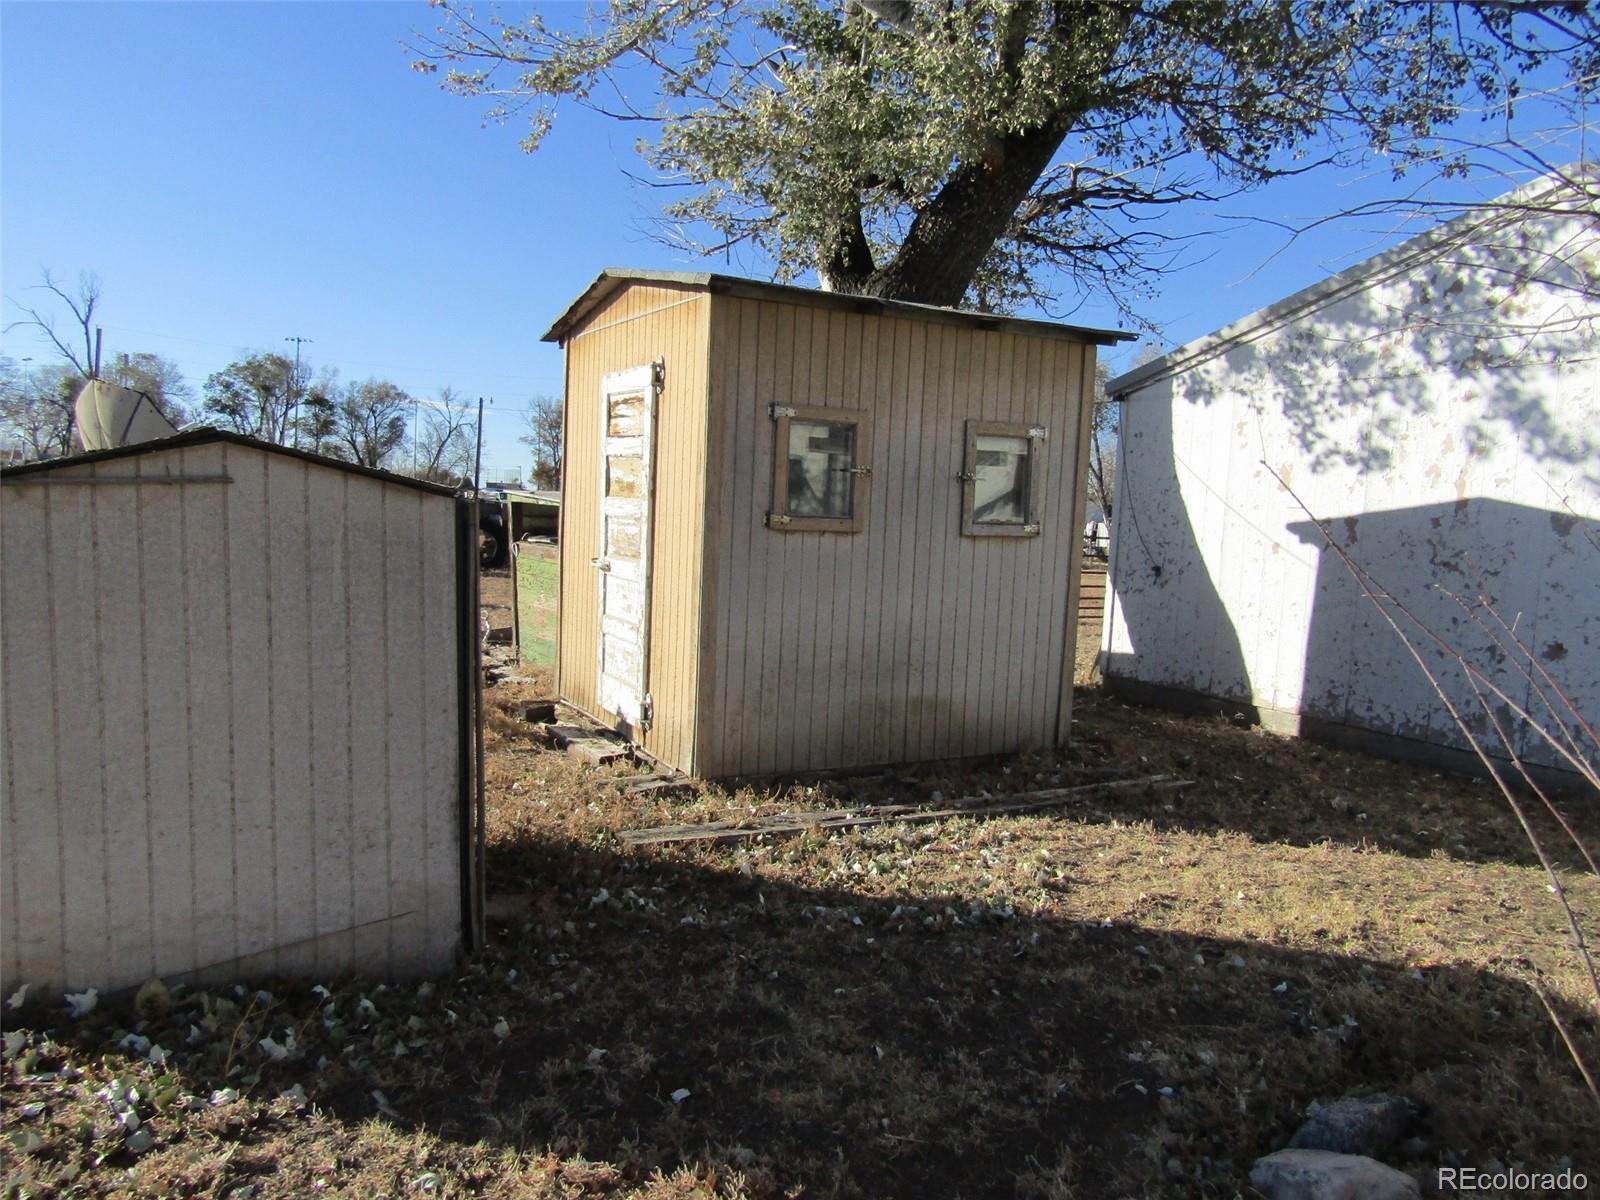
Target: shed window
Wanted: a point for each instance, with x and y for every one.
(819, 470)
(1000, 479)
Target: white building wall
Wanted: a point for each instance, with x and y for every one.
(229, 722)
(1445, 420)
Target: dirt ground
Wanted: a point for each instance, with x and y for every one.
(494, 596)
(1133, 995)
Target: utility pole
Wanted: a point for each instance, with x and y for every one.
(477, 461)
(294, 385)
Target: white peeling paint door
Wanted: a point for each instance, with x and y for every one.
(627, 468)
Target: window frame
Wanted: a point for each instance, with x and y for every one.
(778, 518)
(1034, 435)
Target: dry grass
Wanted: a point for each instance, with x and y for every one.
(1133, 996)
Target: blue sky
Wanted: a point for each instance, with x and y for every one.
(237, 173)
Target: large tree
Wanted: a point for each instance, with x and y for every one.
(992, 151)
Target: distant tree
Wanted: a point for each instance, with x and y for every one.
(76, 347)
(1102, 445)
(1106, 426)
(41, 412)
(443, 439)
(317, 415)
(36, 407)
(157, 377)
(253, 395)
(372, 421)
(542, 435)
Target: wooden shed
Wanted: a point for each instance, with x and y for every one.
(803, 530)
(236, 693)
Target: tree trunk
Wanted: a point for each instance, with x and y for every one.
(948, 240)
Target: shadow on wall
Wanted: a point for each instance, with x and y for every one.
(1255, 644)
(1182, 634)
(1539, 569)
(1440, 420)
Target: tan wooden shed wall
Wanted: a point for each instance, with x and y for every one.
(635, 327)
(906, 641)
(230, 723)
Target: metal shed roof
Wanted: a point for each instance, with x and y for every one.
(613, 278)
(207, 436)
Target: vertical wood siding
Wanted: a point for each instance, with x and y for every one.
(905, 641)
(635, 327)
(229, 724)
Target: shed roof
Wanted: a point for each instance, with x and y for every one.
(613, 278)
(1519, 204)
(206, 436)
(531, 496)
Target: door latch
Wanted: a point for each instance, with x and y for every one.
(600, 564)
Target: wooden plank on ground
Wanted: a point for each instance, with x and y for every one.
(788, 824)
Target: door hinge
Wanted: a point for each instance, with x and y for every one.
(779, 519)
(647, 711)
(1030, 529)
(779, 411)
(1039, 433)
(967, 476)
(658, 374)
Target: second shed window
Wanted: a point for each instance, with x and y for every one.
(819, 470)
(999, 480)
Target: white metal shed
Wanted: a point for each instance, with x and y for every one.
(1437, 406)
(236, 692)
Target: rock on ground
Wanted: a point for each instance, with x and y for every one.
(1355, 1125)
(1324, 1175)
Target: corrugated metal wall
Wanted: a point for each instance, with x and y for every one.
(905, 641)
(230, 723)
(635, 327)
(1444, 421)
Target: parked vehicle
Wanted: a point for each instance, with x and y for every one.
(494, 528)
